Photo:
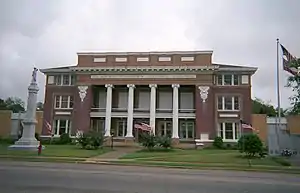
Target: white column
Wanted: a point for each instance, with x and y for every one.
(175, 110)
(130, 110)
(152, 106)
(108, 109)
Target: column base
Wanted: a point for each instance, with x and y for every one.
(129, 141)
(175, 141)
(107, 141)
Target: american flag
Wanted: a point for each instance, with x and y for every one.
(245, 125)
(142, 126)
(48, 127)
(287, 59)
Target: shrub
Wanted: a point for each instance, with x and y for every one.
(37, 136)
(65, 139)
(90, 140)
(148, 140)
(218, 142)
(164, 142)
(250, 144)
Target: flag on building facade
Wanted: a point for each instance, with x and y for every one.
(142, 126)
(48, 127)
(287, 59)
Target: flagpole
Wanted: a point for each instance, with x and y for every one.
(278, 124)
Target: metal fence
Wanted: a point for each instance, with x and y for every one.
(279, 138)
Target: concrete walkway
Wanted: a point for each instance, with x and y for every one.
(113, 155)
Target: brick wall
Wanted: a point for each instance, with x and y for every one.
(6, 122)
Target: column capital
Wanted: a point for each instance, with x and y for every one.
(109, 85)
(130, 85)
(175, 85)
(152, 85)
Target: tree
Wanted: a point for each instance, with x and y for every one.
(261, 107)
(39, 106)
(14, 104)
(294, 83)
(250, 144)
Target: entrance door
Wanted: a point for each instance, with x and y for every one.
(164, 128)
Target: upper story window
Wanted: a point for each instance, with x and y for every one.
(142, 59)
(187, 59)
(121, 59)
(228, 103)
(64, 102)
(228, 79)
(164, 59)
(100, 59)
(62, 80)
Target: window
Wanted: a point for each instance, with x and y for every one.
(123, 59)
(165, 100)
(121, 126)
(186, 130)
(186, 101)
(142, 59)
(64, 80)
(64, 102)
(228, 79)
(143, 100)
(98, 125)
(164, 59)
(62, 126)
(228, 130)
(123, 100)
(228, 103)
(187, 59)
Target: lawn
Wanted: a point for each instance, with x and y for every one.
(54, 151)
(207, 156)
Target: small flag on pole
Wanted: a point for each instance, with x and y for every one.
(287, 59)
(48, 127)
(142, 126)
(245, 126)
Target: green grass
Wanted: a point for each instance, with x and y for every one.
(53, 151)
(205, 156)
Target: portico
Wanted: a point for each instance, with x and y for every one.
(153, 103)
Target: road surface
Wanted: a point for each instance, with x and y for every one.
(33, 177)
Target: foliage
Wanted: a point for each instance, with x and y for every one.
(65, 139)
(293, 82)
(148, 140)
(37, 136)
(261, 107)
(90, 140)
(164, 142)
(218, 142)
(250, 144)
(12, 103)
(39, 106)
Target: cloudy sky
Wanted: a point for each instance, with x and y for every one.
(49, 33)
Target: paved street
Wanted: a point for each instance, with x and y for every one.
(32, 177)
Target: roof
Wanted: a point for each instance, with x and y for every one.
(218, 67)
(146, 53)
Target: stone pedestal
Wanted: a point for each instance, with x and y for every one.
(107, 141)
(28, 140)
(175, 142)
(129, 141)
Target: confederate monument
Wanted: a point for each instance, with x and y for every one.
(28, 140)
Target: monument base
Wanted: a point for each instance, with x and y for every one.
(23, 144)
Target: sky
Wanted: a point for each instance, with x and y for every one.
(43, 33)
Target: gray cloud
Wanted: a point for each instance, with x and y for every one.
(49, 33)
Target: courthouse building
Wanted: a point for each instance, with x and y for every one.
(181, 94)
